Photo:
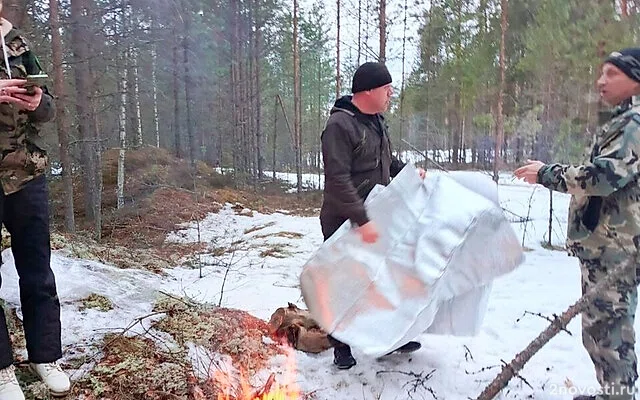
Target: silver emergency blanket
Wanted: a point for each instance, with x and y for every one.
(442, 243)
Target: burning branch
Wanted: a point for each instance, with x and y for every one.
(262, 393)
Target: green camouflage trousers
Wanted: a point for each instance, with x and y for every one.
(607, 327)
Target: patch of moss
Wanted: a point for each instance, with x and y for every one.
(97, 302)
(135, 368)
(221, 330)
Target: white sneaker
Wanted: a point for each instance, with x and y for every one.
(9, 386)
(53, 377)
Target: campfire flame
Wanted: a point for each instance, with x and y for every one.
(271, 390)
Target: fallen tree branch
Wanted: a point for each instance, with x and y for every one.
(504, 363)
(419, 381)
(176, 298)
(467, 353)
(543, 317)
(520, 218)
(524, 231)
(559, 323)
(481, 370)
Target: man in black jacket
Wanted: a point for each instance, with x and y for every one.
(356, 151)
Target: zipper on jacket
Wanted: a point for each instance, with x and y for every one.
(362, 185)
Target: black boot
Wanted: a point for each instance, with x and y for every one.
(410, 347)
(342, 357)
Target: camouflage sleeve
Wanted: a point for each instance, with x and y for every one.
(615, 167)
(46, 109)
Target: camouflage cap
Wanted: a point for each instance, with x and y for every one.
(628, 60)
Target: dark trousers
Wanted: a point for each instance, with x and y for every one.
(25, 214)
(330, 224)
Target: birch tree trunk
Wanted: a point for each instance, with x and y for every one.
(136, 98)
(123, 135)
(154, 83)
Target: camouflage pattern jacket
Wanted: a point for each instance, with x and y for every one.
(23, 154)
(604, 211)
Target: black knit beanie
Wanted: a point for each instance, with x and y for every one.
(628, 60)
(369, 76)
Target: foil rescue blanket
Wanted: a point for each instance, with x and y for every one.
(442, 243)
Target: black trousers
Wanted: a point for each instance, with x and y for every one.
(25, 214)
(330, 224)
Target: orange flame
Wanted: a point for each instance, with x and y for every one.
(271, 390)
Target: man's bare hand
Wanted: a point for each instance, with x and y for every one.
(28, 102)
(529, 172)
(369, 232)
(422, 173)
(13, 91)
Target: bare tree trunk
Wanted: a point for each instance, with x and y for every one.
(383, 30)
(258, 94)
(97, 154)
(243, 112)
(235, 83)
(463, 145)
(245, 73)
(97, 143)
(319, 119)
(176, 98)
(79, 37)
(366, 24)
(62, 121)
(359, 31)
(136, 97)
(402, 93)
(456, 113)
(297, 113)
(123, 135)
(338, 89)
(187, 83)
(624, 7)
(286, 120)
(499, 113)
(275, 136)
(257, 88)
(154, 83)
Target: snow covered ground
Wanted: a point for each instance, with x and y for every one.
(251, 280)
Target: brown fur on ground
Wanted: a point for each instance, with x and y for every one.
(300, 330)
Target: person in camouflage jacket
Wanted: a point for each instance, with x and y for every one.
(24, 212)
(604, 225)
